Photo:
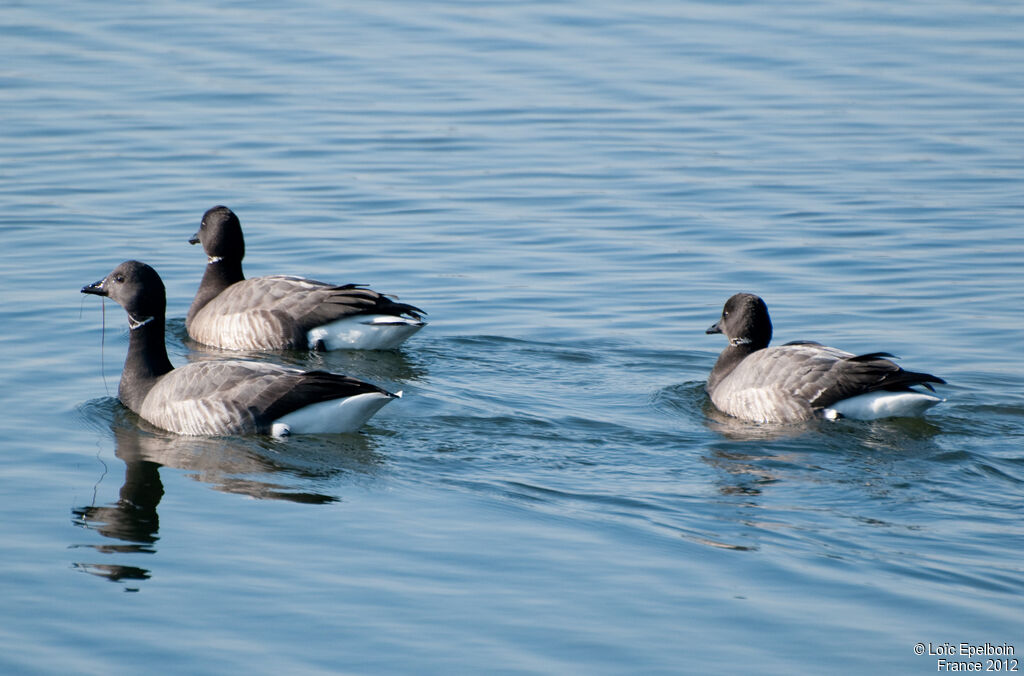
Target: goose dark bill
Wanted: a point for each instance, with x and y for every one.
(96, 288)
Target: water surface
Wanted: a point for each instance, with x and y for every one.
(572, 191)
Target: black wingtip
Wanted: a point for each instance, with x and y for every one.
(925, 380)
(871, 356)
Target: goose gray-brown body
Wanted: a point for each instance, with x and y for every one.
(285, 312)
(803, 379)
(225, 397)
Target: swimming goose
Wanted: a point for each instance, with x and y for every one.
(283, 312)
(804, 379)
(223, 397)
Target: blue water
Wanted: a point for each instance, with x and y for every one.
(572, 190)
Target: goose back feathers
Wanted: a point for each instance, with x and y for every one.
(803, 379)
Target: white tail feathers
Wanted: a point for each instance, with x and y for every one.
(335, 416)
(882, 404)
(363, 332)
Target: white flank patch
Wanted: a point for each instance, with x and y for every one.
(364, 332)
(335, 416)
(882, 404)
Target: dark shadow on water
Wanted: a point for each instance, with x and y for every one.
(751, 459)
(868, 463)
(243, 466)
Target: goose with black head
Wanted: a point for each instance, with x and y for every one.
(804, 379)
(284, 312)
(223, 397)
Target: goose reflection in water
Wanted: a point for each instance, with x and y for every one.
(132, 524)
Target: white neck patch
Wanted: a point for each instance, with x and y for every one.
(213, 259)
(740, 341)
(134, 323)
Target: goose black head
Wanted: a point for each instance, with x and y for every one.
(220, 233)
(745, 321)
(137, 288)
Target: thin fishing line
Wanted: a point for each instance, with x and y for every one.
(96, 486)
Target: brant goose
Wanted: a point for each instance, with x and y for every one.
(804, 379)
(223, 397)
(283, 312)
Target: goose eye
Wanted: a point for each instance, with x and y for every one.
(119, 278)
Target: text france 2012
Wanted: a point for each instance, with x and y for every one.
(971, 657)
